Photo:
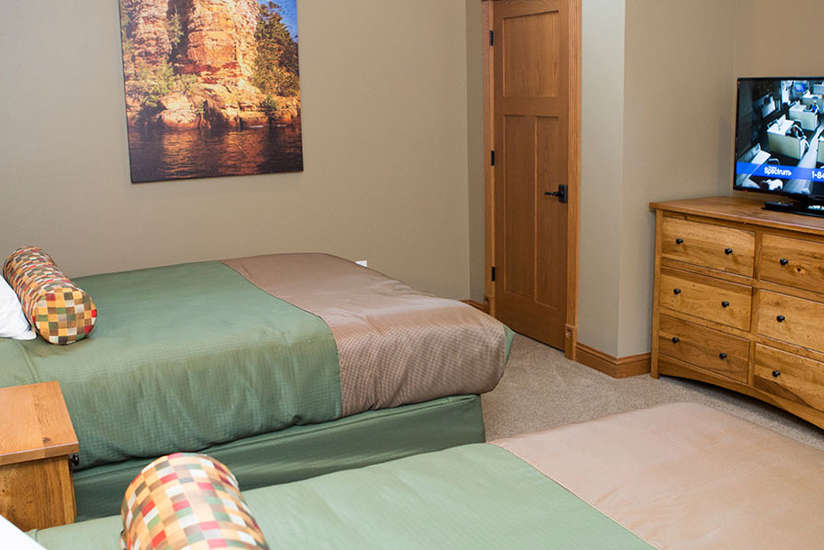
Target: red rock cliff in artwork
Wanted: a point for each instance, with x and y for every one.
(220, 42)
(190, 63)
(146, 24)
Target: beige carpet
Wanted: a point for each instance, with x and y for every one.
(541, 389)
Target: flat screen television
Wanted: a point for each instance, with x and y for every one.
(779, 141)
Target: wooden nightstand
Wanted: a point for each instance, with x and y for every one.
(37, 440)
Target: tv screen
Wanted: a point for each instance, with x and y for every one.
(779, 146)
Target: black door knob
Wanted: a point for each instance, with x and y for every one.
(728, 251)
(676, 291)
(776, 373)
(675, 339)
(562, 193)
(722, 355)
(725, 304)
(783, 261)
(780, 318)
(679, 241)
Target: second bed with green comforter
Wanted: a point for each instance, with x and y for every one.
(203, 356)
(476, 496)
(678, 476)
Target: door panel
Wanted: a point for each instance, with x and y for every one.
(531, 55)
(519, 138)
(531, 106)
(552, 215)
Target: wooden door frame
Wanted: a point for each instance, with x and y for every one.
(574, 174)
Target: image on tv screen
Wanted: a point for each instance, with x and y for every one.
(779, 145)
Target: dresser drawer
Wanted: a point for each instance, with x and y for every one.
(789, 376)
(706, 298)
(708, 245)
(794, 262)
(794, 320)
(706, 348)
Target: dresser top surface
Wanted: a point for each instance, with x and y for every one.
(743, 210)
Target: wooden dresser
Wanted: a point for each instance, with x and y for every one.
(739, 300)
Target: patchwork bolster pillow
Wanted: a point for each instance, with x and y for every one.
(187, 501)
(58, 310)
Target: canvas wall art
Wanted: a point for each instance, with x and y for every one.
(212, 87)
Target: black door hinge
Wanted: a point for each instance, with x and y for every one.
(491, 38)
(492, 157)
(493, 273)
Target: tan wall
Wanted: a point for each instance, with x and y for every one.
(795, 54)
(476, 40)
(602, 122)
(677, 133)
(385, 134)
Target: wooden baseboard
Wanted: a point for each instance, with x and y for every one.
(478, 305)
(617, 367)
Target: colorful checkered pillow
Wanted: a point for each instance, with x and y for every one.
(58, 310)
(187, 501)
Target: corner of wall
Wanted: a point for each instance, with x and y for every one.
(602, 122)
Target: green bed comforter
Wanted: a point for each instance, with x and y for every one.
(174, 365)
(476, 496)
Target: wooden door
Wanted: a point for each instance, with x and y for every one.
(533, 110)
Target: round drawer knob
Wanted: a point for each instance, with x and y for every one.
(679, 241)
(728, 251)
(776, 373)
(725, 304)
(676, 291)
(675, 339)
(722, 355)
(780, 318)
(783, 261)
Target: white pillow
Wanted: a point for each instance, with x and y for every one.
(13, 323)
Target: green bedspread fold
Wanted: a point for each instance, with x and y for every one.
(184, 357)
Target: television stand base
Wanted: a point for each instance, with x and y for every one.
(805, 209)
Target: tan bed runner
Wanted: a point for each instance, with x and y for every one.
(396, 345)
(687, 476)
